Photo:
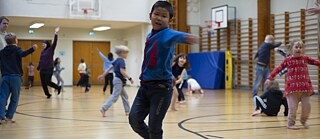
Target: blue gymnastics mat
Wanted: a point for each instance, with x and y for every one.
(208, 69)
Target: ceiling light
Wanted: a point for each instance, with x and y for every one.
(102, 28)
(37, 25)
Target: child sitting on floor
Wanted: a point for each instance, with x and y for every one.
(274, 100)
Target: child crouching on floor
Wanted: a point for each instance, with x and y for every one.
(274, 99)
(193, 86)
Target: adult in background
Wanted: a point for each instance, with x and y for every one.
(107, 62)
(4, 23)
(46, 65)
(262, 68)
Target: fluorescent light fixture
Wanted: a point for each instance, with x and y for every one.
(102, 28)
(36, 25)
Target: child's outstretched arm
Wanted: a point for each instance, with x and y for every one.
(191, 39)
(275, 72)
(27, 52)
(104, 58)
(276, 45)
(313, 61)
(184, 38)
(100, 77)
(55, 39)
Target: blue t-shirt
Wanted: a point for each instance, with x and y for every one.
(119, 64)
(158, 54)
(263, 53)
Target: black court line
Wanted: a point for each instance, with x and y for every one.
(72, 119)
(180, 124)
(239, 129)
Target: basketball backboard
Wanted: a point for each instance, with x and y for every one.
(85, 8)
(220, 16)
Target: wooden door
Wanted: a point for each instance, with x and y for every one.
(25, 44)
(34, 58)
(88, 51)
(97, 62)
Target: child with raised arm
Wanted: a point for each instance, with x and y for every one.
(11, 69)
(119, 81)
(298, 84)
(107, 62)
(154, 95)
(274, 99)
(46, 65)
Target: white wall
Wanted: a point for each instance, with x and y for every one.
(133, 38)
(281, 6)
(112, 10)
(65, 42)
(245, 8)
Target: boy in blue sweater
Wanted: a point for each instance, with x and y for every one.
(154, 95)
(11, 69)
(262, 68)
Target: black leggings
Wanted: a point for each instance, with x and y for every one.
(45, 76)
(181, 95)
(108, 79)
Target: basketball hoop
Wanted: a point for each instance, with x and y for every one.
(211, 25)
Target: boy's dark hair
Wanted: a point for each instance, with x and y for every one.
(110, 57)
(30, 64)
(186, 65)
(82, 60)
(163, 4)
(10, 38)
(3, 18)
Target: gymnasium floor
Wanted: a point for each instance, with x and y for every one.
(217, 114)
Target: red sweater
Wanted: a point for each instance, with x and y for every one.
(297, 80)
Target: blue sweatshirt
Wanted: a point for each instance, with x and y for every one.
(106, 62)
(158, 54)
(263, 53)
(11, 60)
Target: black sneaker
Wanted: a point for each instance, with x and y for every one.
(49, 96)
(59, 90)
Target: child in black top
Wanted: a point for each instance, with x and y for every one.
(274, 100)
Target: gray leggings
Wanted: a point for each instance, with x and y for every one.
(59, 80)
(118, 90)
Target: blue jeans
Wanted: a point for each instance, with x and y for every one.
(118, 90)
(10, 85)
(261, 73)
(153, 99)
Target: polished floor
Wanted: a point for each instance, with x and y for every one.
(216, 114)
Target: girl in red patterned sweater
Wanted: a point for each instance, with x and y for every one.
(298, 84)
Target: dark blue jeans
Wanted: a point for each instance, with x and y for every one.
(10, 86)
(153, 99)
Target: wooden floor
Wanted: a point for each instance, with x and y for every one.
(217, 114)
